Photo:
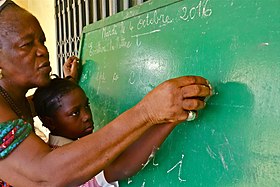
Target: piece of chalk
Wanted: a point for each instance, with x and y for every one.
(191, 116)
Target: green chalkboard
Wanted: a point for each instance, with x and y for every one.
(233, 43)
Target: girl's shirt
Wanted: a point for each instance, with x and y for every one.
(98, 181)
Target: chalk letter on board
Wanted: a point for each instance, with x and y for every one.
(180, 163)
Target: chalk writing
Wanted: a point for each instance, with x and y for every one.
(122, 28)
(130, 26)
(223, 153)
(199, 10)
(113, 30)
(180, 163)
(152, 156)
(154, 19)
(100, 79)
(138, 43)
(99, 48)
(108, 45)
(115, 77)
(129, 181)
(119, 35)
(211, 152)
(223, 161)
(121, 42)
(154, 163)
(90, 47)
(109, 31)
(131, 78)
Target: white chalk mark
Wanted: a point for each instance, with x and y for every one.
(115, 77)
(229, 150)
(223, 161)
(130, 26)
(90, 49)
(100, 79)
(226, 139)
(180, 163)
(143, 184)
(129, 181)
(151, 157)
(228, 105)
(146, 33)
(131, 77)
(264, 44)
(211, 152)
(138, 43)
(155, 164)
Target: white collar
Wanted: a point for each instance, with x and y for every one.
(58, 140)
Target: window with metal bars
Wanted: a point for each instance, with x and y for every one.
(72, 15)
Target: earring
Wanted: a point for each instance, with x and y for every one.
(1, 75)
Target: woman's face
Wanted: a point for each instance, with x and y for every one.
(73, 119)
(24, 58)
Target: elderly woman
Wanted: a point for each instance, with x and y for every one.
(25, 160)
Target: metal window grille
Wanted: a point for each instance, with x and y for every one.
(72, 15)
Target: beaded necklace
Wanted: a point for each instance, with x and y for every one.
(12, 104)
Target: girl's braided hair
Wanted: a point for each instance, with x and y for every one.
(47, 99)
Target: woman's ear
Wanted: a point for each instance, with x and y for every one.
(48, 122)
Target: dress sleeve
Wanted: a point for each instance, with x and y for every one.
(100, 178)
(99, 181)
(12, 133)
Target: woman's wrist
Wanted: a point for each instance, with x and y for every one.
(142, 114)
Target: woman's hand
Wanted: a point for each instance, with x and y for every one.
(172, 101)
(71, 67)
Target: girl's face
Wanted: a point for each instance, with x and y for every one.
(73, 119)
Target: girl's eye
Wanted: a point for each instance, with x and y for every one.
(75, 113)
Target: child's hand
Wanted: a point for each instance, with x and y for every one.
(71, 67)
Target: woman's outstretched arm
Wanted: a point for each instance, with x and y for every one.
(36, 165)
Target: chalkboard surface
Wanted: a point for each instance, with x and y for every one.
(233, 43)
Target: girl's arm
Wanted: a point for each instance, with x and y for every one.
(134, 158)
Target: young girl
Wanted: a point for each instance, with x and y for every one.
(63, 108)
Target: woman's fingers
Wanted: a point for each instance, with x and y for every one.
(193, 104)
(196, 90)
(173, 100)
(190, 80)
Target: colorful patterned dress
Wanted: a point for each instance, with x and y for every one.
(12, 133)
